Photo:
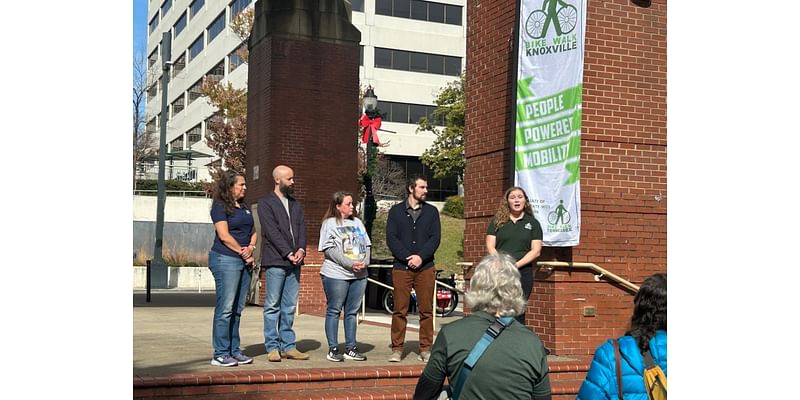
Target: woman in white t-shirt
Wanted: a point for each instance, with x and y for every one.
(344, 240)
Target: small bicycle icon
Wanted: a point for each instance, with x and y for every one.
(560, 213)
(564, 19)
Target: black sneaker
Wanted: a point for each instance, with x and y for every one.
(333, 355)
(353, 354)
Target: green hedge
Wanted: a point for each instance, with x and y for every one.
(454, 207)
(152, 184)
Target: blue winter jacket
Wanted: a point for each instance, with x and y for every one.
(601, 380)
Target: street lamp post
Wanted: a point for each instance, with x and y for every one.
(159, 267)
(371, 122)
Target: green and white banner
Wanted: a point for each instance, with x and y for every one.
(548, 122)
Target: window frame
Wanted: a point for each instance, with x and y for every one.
(210, 36)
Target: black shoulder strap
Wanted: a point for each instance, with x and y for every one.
(492, 332)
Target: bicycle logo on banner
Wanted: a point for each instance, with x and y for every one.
(559, 214)
(563, 18)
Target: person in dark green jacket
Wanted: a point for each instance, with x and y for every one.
(515, 231)
(513, 366)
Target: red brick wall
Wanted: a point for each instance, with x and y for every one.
(303, 112)
(623, 163)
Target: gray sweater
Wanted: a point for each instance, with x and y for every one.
(343, 243)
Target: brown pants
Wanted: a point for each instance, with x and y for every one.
(422, 282)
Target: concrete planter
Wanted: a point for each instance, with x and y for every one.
(189, 278)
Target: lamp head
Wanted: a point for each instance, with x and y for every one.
(370, 100)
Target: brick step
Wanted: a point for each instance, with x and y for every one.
(374, 382)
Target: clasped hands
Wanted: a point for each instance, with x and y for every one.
(414, 261)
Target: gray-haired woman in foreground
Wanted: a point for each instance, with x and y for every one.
(514, 366)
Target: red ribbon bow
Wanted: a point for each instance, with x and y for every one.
(371, 127)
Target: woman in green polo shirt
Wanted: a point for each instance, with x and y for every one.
(515, 231)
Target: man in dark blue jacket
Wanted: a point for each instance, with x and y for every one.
(282, 254)
(413, 233)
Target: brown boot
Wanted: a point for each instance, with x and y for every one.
(274, 356)
(295, 354)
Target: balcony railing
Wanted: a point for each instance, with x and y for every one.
(172, 172)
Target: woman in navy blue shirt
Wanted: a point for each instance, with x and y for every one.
(230, 261)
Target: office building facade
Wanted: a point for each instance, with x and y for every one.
(410, 50)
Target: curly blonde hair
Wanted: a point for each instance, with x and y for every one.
(502, 216)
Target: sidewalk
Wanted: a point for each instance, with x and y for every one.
(172, 334)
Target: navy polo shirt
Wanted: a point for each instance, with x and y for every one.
(240, 226)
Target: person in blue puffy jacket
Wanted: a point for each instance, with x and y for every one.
(648, 332)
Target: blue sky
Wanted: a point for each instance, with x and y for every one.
(139, 25)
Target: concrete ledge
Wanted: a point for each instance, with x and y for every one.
(189, 278)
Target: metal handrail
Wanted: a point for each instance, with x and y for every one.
(551, 265)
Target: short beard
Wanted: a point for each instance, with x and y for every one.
(420, 198)
(286, 190)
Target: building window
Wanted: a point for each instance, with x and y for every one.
(407, 113)
(196, 47)
(234, 59)
(152, 58)
(177, 105)
(417, 62)
(193, 135)
(438, 189)
(153, 23)
(217, 73)
(178, 65)
(452, 66)
(194, 91)
(151, 126)
(152, 91)
(216, 27)
(176, 144)
(361, 55)
(383, 58)
(195, 7)
(419, 10)
(238, 6)
(383, 7)
(357, 5)
(180, 25)
(401, 8)
(435, 12)
(452, 14)
(166, 6)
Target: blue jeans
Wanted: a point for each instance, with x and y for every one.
(232, 281)
(347, 293)
(280, 302)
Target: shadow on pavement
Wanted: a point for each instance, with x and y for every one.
(174, 299)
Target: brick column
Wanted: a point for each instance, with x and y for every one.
(623, 163)
(303, 111)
